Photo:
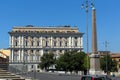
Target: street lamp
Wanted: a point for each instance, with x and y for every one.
(106, 45)
(86, 7)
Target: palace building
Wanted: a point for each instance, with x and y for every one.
(28, 43)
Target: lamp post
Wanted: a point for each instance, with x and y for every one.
(86, 6)
(106, 45)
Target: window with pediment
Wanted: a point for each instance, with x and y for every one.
(26, 55)
(46, 44)
(54, 43)
(75, 43)
(38, 43)
(66, 43)
(16, 43)
(26, 43)
(60, 43)
(16, 56)
(32, 43)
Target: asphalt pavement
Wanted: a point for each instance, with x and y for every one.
(56, 76)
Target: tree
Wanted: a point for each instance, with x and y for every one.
(63, 62)
(71, 61)
(107, 64)
(47, 60)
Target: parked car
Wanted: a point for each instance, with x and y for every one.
(95, 77)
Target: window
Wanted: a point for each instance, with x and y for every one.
(26, 43)
(31, 51)
(38, 43)
(60, 38)
(54, 43)
(16, 37)
(37, 51)
(32, 44)
(76, 44)
(66, 43)
(60, 51)
(60, 43)
(16, 56)
(76, 38)
(32, 57)
(46, 38)
(16, 43)
(119, 65)
(32, 66)
(38, 66)
(46, 43)
(26, 37)
(26, 57)
(32, 37)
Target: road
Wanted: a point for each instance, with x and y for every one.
(55, 76)
(52, 76)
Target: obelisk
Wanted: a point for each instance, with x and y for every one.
(94, 57)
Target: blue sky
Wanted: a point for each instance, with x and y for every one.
(62, 12)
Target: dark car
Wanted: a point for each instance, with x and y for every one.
(95, 77)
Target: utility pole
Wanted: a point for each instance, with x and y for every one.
(106, 46)
(86, 6)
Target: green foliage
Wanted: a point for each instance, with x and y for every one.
(107, 64)
(86, 62)
(71, 61)
(47, 60)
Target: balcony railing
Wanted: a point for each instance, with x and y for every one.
(45, 47)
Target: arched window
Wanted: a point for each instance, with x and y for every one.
(16, 56)
(16, 43)
(38, 43)
(75, 43)
(26, 56)
(37, 57)
(54, 43)
(46, 43)
(60, 43)
(32, 44)
(26, 43)
(65, 43)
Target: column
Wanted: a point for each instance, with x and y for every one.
(72, 41)
(81, 42)
(19, 56)
(41, 52)
(28, 56)
(19, 41)
(78, 40)
(35, 57)
(22, 55)
(51, 41)
(22, 41)
(10, 42)
(70, 45)
(12, 56)
(41, 41)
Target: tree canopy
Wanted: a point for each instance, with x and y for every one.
(72, 61)
(107, 64)
(47, 60)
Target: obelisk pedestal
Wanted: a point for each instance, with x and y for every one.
(94, 57)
